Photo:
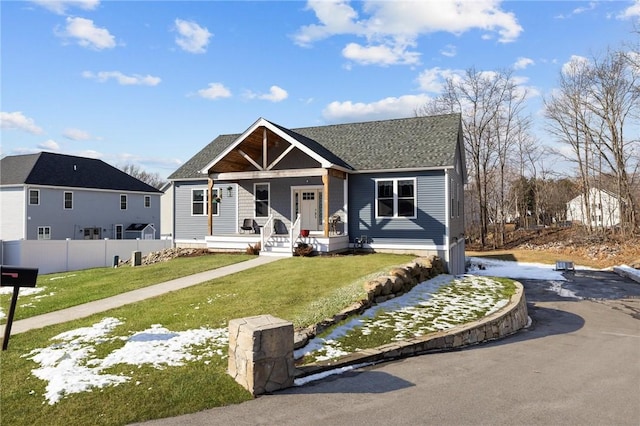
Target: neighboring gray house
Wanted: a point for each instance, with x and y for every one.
(54, 197)
(393, 185)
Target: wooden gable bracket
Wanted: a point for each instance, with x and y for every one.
(249, 159)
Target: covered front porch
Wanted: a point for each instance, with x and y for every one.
(277, 245)
(286, 194)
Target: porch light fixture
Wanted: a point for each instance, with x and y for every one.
(229, 191)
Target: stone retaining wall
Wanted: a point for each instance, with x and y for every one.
(261, 355)
(505, 322)
(396, 282)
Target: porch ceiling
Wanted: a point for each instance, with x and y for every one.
(252, 145)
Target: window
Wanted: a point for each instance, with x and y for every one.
(68, 200)
(147, 201)
(396, 198)
(44, 232)
(458, 199)
(452, 197)
(92, 233)
(119, 232)
(123, 202)
(261, 196)
(199, 204)
(34, 197)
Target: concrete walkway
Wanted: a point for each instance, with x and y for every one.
(87, 309)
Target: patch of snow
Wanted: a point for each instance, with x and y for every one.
(69, 366)
(515, 270)
(556, 287)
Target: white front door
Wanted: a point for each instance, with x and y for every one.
(309, 210)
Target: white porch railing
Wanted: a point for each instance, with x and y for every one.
(294, 233)
(267, 231)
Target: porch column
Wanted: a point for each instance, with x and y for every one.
(210, 206)
(325, 202)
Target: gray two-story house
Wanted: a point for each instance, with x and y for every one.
(392, 185)
(49, 196)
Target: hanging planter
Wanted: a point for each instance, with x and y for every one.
(304, 233)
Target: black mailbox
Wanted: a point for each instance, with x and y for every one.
(16, 276)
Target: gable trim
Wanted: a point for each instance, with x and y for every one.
(261, 122)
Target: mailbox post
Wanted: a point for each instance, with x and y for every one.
(16, 277)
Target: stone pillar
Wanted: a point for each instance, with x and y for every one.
(261, 353)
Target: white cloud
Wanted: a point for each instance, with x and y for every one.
(125, 80)
(276, 94)
(214, 91)
(89, 153)
(380, 54)
(388, 108)
(192, 37)
(17, 120)
(77, 135)
(523, 63)
(631, 11)
(61, 6)
(49, 145)
(87, 34)
(574, 64)
(449, 50)
(432, 80)
(396, 25)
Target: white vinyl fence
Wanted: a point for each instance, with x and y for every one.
(51, 256)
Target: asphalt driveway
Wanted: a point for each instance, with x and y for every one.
(578, 364)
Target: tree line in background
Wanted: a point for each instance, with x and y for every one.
(593, 120)
(137, 172)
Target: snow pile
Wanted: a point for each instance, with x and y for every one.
(69, 366)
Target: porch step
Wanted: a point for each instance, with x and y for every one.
(277, 245)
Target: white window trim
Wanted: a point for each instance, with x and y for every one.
(115, 231)
(126, 202)
(395, 197)
(205, 209)
(144, 201)
(44, 233)
(64, 200)
(37, 191)
(268, 201)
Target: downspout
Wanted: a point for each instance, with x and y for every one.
(447, 218)
(210, 206)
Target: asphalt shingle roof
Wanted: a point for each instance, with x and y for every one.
(51, 169)
(407, 143)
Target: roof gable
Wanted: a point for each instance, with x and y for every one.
(50, 169)
(409, 143)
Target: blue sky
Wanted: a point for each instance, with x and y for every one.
(152, 82)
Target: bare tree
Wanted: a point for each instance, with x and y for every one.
(591, 111)
(490, 104)
(569, 121)
(614, 98)
(136, 171)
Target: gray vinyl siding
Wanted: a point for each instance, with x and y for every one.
(279, 198)
(188, 226)
(427, 228)
(91, 209)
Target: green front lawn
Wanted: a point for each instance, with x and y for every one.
(302, 290)
(66, 289)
